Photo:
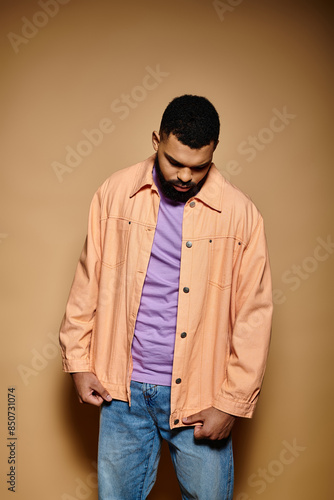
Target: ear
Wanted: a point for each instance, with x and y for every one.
(155, 140)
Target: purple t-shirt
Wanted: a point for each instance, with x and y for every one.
(154, 336)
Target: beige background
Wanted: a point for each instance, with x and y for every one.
(252, 59)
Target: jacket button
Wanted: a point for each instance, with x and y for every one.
(176, 421)
(183, 335)
(186, 289)
(192, 204)
(189, 244)
(178, 381)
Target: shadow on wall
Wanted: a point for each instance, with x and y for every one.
(83, 420)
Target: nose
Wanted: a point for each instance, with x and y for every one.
(184, 175)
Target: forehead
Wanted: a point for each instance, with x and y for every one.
(184, 154)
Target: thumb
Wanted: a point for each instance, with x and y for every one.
(98, 387)
(193, 419)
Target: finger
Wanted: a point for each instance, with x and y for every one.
(93, 399)
(193, 419)
(101, 391)
(91, 396)
(198, 432)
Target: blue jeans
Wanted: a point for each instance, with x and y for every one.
(130, 443)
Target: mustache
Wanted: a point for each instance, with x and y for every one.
(184, 184)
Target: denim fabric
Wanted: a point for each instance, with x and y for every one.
(130, 444)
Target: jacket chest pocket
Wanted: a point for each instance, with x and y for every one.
(222, 255)
(116, 241)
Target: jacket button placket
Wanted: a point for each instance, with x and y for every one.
(185, 291)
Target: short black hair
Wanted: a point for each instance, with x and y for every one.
(192, 119)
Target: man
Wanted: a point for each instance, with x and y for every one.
(168, 321)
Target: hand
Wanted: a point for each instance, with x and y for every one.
(211, 424)
(89, 388)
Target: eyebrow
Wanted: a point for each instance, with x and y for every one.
(203, 165)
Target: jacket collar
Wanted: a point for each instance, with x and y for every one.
(144, 176)
(211, 192)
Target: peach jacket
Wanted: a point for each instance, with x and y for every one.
(225, 295)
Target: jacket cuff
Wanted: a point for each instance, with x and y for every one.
(236, 408)
(76, 365)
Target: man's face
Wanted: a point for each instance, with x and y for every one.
(181, 170)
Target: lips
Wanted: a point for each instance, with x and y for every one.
(182, 189)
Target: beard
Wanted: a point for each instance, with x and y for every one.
(170, 192)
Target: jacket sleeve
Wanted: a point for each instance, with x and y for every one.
(78, 322)
(251, 329)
